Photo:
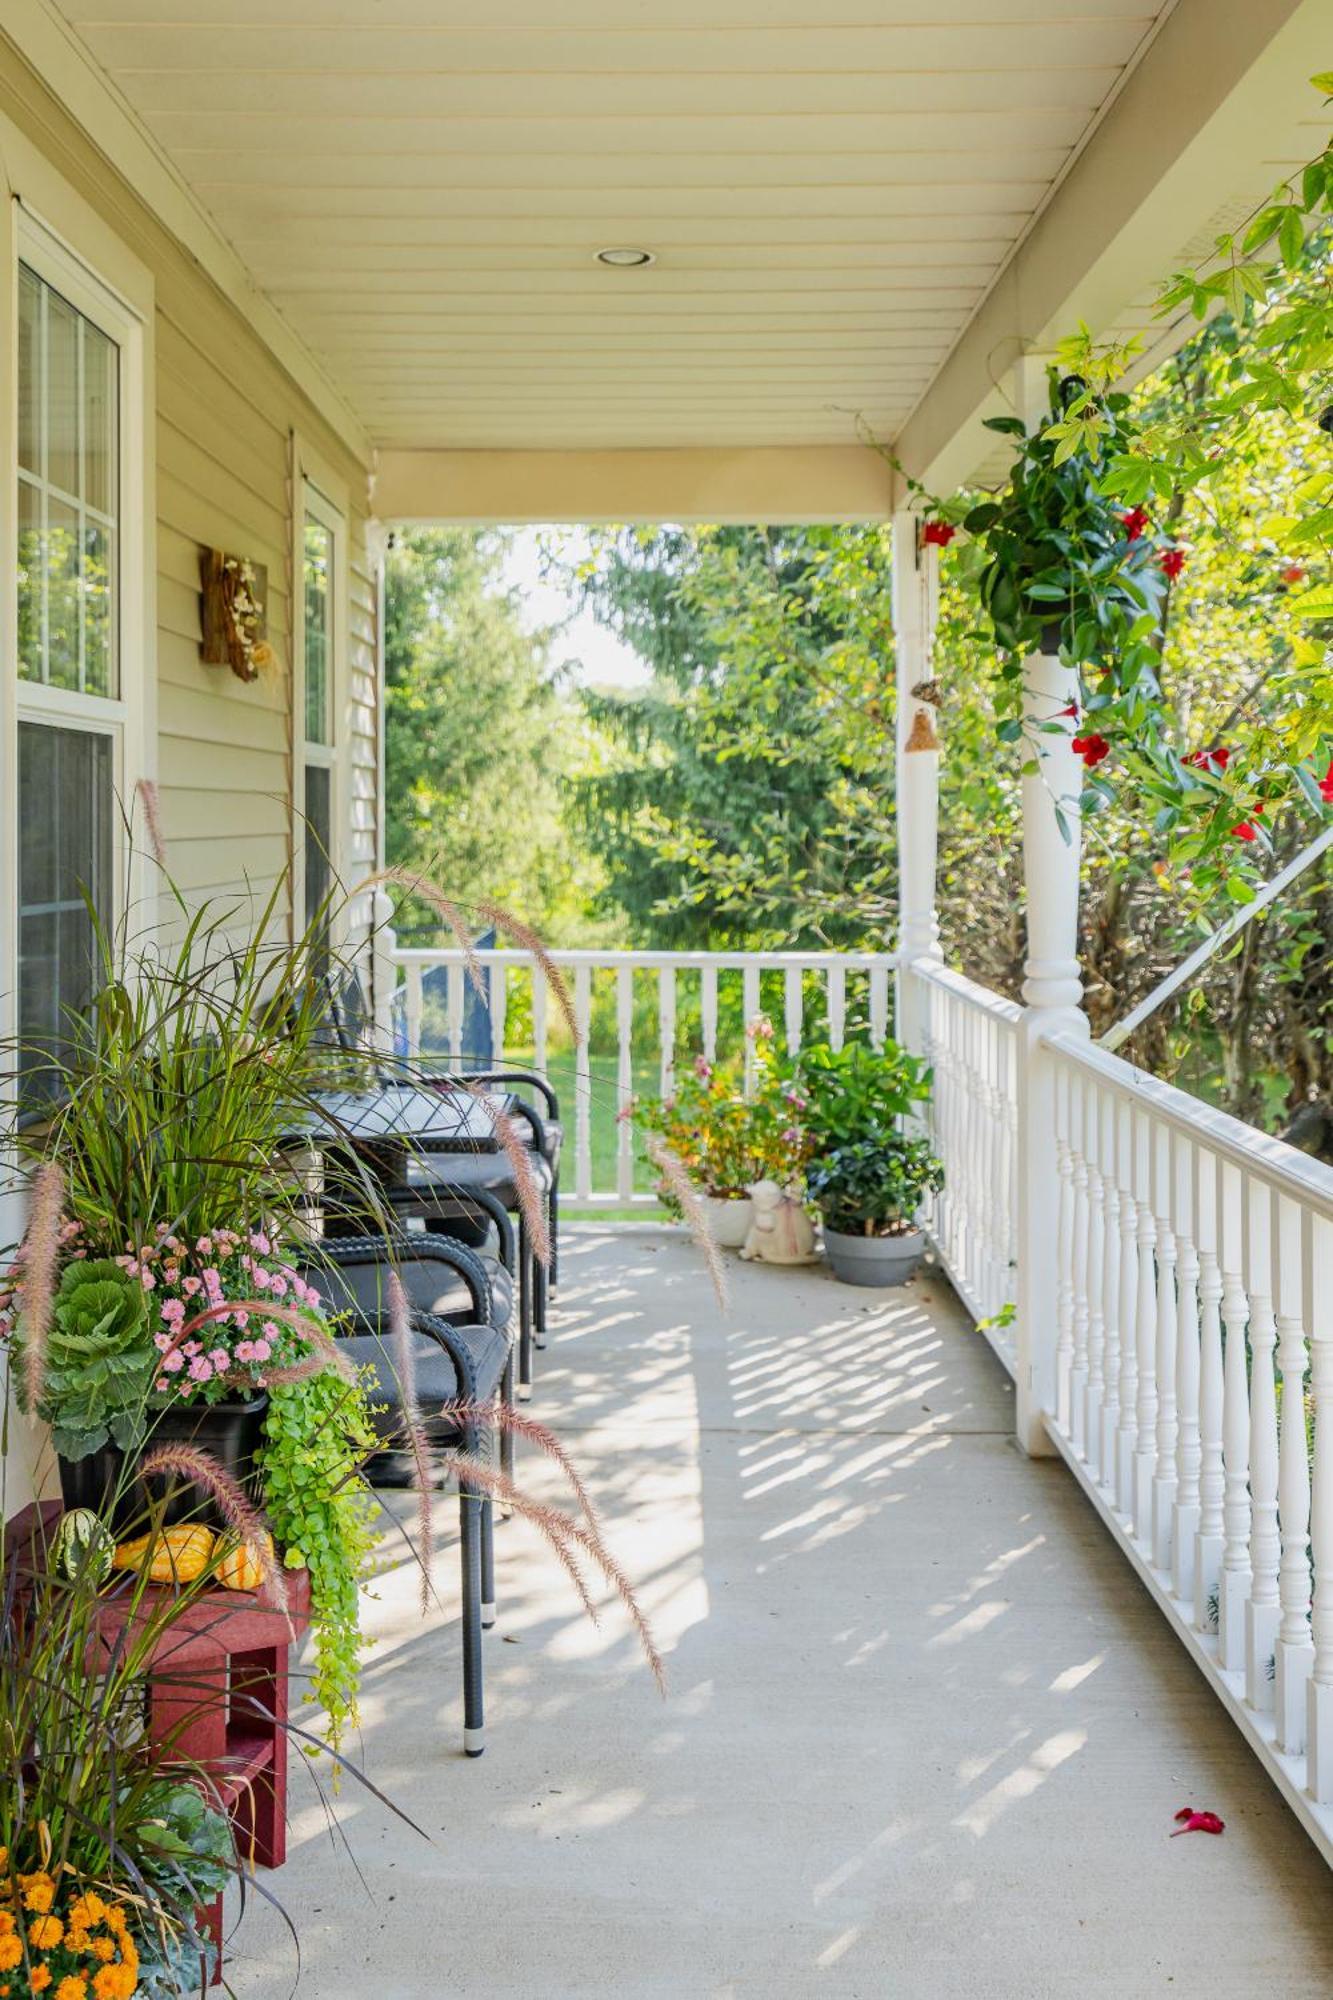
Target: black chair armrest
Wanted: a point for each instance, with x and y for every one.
(527, 1076)
(469, 1200)
(427, 1247)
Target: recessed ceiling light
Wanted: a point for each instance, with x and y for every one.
(626, 259)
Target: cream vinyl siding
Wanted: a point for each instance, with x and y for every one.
(224, 418)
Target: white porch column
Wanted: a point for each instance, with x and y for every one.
(915, 584)
(1052, 995)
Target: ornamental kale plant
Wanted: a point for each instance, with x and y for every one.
(99, 1360)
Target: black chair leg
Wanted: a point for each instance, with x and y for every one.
(524, 1314)
(470, 1507)
(487, 1564)
(540, 1293)
(506, 1435)
(553, 1212)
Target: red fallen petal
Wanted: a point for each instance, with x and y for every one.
(1186, 1812)
(1199, 1822)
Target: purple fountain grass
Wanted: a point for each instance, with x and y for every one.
(527, 939)
(444, 906)
(405, 1363)
(504, 1417)
(529, 1195)
(677, 1179)
(200, 1468)
(564, 1534)
(152, 820)
(41, 1253)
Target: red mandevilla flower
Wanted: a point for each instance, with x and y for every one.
(1326, 785)
(1071, 710)
(1091, 749)
(1215, 760)
(938, 534)
(1293, 573)
(1171, 562)
(1134, 523)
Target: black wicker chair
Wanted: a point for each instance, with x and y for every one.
(462, 1355)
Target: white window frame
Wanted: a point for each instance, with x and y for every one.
(319, 494)
(52, 231)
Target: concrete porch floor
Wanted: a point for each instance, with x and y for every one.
(925, 1733)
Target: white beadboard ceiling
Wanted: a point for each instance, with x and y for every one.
(420, 190)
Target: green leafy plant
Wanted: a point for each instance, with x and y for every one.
(99, 1360)
(317, 1434)
(857, 1091)
(874, 1186)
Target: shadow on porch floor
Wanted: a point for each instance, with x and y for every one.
(925, 1732)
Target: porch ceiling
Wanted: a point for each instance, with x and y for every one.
(831, 207)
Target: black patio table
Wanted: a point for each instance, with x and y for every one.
(447, 1120)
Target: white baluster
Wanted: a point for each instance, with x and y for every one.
(1078, 1265)
(1234, 1591)
(1096, 1291)
(750, 1010)
(996, 1191)
(1264, 1607)
(1212, 1479)
(624, 1081)
(582, 1083)
(1145, 1322)
(412, 1007)
(1129, 1306)
(708, 1010)
(539, 1021)
(793, 1008)
(1185, 1525)
(1295, 1650)
(879, 1004)
(1006, 1185)
(499, 1013)
(1319, 1702)
(1110, 1297)
(666, 1029)
(1064, 1274)
(837, 1004)
(454, 1001)
(1164, 1471)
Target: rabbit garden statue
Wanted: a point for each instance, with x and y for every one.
(782, 1232)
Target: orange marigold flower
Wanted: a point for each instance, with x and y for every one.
(39, 1891)
(45, 1933)
(6, 1922)
(102, 1949)
(114, 1982)
(77, 1939)
(40, 1978)
(11, 1953)
(72, 1987)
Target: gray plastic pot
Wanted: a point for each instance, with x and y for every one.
(874, 1260)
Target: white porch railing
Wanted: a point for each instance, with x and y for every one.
(664, 1007)
(970, 1037)
(1195, 1288)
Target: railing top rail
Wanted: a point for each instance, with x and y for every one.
(965, 989)
(734, 961)
(1283, 1167)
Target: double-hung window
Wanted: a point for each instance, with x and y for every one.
(320, 532)
(70, 712)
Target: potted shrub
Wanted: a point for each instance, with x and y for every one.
(869, 1193)
(866, 1175)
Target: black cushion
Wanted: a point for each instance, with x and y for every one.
(440, 1378)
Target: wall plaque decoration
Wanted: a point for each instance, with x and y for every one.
(235, 613)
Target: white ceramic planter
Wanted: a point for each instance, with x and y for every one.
(874, 1260)
(728, 1220)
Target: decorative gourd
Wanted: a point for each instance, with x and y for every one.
(239, 1567)
(176, 1555)
(83, 1545)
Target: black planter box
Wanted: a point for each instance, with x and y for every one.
(231, 1433)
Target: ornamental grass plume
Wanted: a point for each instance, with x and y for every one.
(444, 906)
(506, 1417)
(200, 1468)
(530, 1201)
(565, 1535)
(405, 1364)
(678, 1180)
(152, 820)
(41, 1253)
(527, 939)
